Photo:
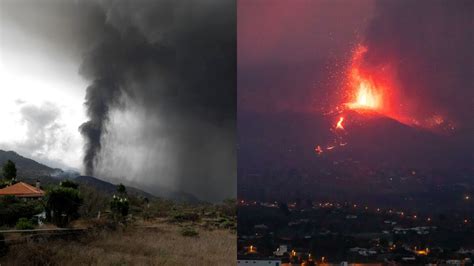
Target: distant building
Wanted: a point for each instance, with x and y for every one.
(23, 190)
(259, 262)
(282, 250)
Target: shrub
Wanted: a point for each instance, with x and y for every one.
(94, 202)
(227, 224)
(189, 231)
(64, 202)
(12, 209)
(160, 208)
(24, 224)
(69, 184)
(185, 217)
(228, 207)
(119, 206)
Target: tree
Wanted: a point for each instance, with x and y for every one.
(12, 209)
(63, 205)
(119, 205)
(69, 183)
(94, 202)
(229, 207)
(121, 189)
(9, 170)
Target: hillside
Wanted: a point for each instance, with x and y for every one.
(289, 139)
(27, 167)
(29, 171)
(159, 191)
(380, 159)
(107, 187)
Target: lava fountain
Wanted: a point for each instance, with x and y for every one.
(364, 91)
(373, 90)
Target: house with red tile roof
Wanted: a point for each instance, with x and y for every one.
(22, 190)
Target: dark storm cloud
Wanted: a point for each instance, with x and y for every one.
(175, 59)
(430, 43)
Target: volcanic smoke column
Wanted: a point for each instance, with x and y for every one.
(120, 54)
(119, 58)
(100, 96)
(103, 65)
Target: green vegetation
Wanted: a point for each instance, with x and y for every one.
(139, 218)
(69, 184)
(180, 217)
(189, 231)
(62, 204)
(119, 205)
(9, 170)
(24, 223)
(12, 209)
(121, 189)
(94, 202)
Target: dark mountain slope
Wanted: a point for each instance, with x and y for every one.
(26, 167)
(29, 171)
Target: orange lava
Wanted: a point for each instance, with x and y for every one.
(367, 97)
(318, 150)
(365, 92)
(339, 123)
(376, 88)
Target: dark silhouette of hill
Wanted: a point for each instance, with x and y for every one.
(27, 167)
(381, 159)
(29, 170)
(159, 191)
(289, 139)
(109, 188)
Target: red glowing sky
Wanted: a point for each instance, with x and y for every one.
(286, 46)
(299, 56)
(286, 32)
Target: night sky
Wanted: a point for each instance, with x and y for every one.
(292, 55)
(293, 60)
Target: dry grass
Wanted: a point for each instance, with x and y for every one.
(158, 244)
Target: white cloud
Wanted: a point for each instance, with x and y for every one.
(41, 102)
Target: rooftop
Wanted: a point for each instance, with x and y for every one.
(22, 189)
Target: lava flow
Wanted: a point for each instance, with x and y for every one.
(364, 92)
(373, 91)
(339, 123)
